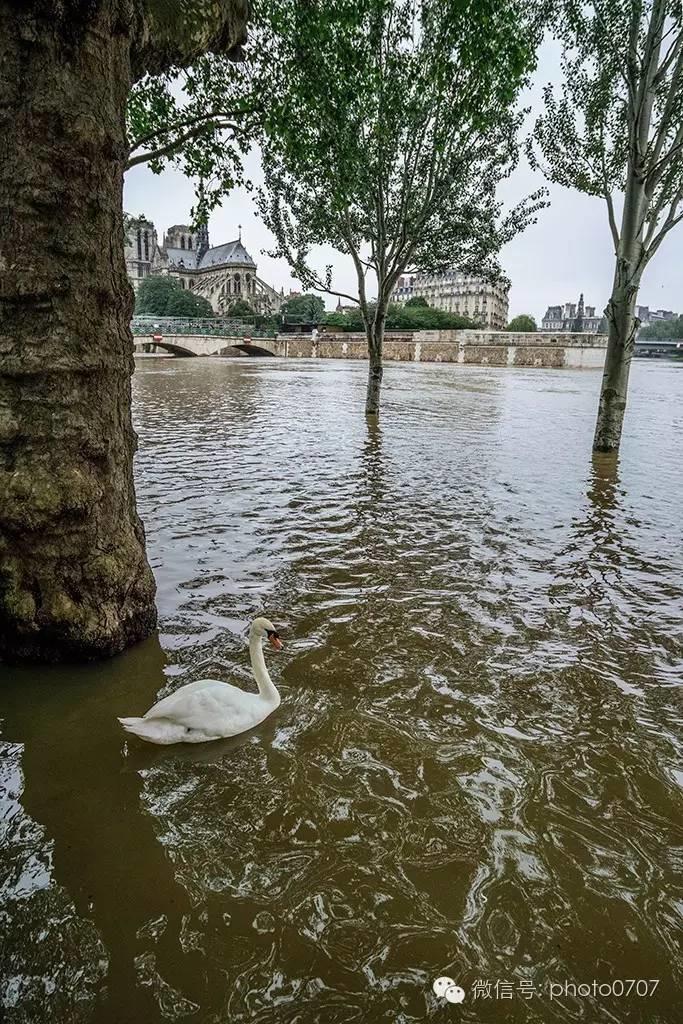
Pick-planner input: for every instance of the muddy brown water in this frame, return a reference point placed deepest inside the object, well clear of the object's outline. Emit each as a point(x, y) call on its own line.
point(476, 767)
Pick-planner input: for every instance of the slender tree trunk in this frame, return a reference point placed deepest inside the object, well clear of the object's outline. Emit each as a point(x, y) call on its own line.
point(375, 335)
point(621, 318)
point(620, 345)
point(74, 578)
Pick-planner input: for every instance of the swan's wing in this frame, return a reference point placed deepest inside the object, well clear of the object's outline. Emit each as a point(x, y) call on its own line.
point(160, 709)
point(201, 707)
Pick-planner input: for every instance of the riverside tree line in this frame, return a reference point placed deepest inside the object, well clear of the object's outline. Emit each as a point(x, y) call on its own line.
point(164, 297)
point(385, 127)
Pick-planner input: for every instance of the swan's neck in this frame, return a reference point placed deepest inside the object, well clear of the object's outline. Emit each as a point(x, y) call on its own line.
point(266, 686)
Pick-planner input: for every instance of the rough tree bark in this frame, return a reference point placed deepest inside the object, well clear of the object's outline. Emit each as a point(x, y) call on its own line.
point(620, 347)
point(375, 337)
point(374, 329)
point(74, 578)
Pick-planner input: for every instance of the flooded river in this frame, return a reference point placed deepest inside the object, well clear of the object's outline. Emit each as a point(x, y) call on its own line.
point(476, 768)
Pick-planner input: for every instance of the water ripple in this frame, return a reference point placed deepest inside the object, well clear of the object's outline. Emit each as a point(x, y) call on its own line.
point(476, 766)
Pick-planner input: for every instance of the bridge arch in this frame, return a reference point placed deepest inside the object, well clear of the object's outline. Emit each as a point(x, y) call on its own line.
point(245, 349)
point(174, 348)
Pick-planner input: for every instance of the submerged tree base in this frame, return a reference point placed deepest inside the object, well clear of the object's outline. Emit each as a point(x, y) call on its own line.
point(91, 640)
point(375, 374)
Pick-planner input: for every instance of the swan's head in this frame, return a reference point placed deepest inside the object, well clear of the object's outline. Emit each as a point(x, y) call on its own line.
point(264, 628)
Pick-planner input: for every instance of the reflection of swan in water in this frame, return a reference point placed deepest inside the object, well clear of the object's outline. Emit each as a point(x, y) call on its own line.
point(209, 709)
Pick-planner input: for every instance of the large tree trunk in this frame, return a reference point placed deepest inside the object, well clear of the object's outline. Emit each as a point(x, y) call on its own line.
point(375, 335)
point(74, 578)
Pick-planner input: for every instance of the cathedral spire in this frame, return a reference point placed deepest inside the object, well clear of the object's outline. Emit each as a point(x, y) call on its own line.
point(202, 241)
point(577, 326)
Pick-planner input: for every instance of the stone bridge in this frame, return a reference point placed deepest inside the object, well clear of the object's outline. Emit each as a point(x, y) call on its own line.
point(482, 348)
point(206, 345)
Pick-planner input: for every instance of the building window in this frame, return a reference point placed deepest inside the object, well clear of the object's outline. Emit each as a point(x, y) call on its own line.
point(182, 241)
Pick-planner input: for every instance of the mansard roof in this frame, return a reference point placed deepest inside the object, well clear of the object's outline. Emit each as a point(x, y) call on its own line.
point(229, 252)
point(187, 256)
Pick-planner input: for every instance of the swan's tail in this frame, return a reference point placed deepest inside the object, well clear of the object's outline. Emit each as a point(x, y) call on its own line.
point(156, 730)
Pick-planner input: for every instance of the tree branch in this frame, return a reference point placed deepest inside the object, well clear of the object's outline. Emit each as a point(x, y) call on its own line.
point(189, 122)
point(672, 218)
point(665, 118)
point(607, 192)
point(175, 145)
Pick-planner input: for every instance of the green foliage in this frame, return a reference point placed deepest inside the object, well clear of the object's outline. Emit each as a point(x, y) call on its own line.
point(409, 129)
point(309, 308)
point(663, 329)
point(403, 318)
point(522, 323)
point(425, 318)
point(240, 308)
point(616, 125)
point(163, 296)
point(200, 119)
point(417, 300)
point(351, 320)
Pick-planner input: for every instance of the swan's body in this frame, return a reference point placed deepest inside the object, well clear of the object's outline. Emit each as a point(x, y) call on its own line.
point(210, 709)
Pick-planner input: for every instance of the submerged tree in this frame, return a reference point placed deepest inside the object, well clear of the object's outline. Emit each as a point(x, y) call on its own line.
point(617, 131)
point(389, 128)
point(74, 577)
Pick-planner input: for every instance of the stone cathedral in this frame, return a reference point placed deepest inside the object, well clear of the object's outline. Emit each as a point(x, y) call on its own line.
point(219, 273)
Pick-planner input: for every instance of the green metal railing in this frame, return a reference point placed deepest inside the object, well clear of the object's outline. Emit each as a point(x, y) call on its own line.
point(216, 327)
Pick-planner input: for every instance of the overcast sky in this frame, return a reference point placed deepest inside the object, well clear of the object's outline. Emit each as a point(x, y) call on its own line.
point(567, 252)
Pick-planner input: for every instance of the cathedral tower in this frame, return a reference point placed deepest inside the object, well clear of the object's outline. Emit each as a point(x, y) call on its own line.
point(202, 241)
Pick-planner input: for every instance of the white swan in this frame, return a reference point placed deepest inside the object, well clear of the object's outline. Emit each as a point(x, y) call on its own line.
point(209, 709)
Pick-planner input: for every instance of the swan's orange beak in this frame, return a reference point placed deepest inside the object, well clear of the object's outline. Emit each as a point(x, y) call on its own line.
point(275, 641)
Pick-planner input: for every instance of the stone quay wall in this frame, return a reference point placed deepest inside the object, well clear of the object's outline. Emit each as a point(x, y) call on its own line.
point(478, 348)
